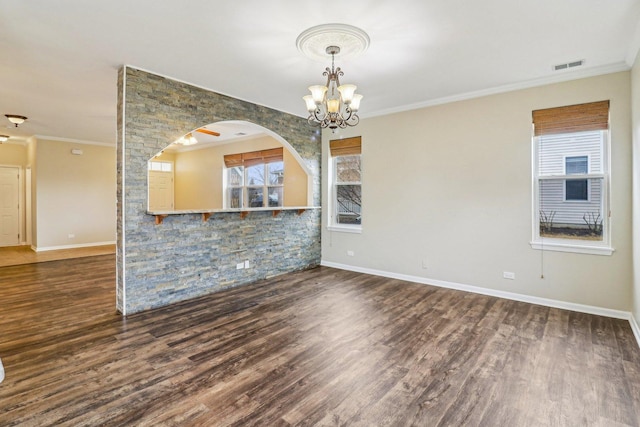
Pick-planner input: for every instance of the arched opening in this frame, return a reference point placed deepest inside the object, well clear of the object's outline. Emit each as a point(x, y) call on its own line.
point(196, 171)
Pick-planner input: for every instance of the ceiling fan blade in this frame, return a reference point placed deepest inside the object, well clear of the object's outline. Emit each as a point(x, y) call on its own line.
point(208, 132)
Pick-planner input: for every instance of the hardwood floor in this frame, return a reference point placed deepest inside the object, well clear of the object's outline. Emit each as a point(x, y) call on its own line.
point(319, 347)
point(17, 255)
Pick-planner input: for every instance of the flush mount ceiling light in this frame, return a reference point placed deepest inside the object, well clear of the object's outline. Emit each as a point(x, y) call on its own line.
point(188, 139)
point(15, 119)
point(333, 105)
point(3, 138)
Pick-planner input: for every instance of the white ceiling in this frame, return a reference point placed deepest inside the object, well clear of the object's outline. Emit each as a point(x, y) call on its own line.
point(59, 58)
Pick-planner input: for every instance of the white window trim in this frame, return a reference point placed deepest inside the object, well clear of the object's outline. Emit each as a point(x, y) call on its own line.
point(570, 245)
point(331, 220)
point(245, 187)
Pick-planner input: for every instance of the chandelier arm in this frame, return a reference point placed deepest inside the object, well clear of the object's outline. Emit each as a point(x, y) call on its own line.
point(354, 120)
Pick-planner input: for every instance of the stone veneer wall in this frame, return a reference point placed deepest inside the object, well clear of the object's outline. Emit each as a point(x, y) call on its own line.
point(185, 257)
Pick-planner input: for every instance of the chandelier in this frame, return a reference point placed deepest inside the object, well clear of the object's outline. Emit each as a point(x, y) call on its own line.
point(333, 105)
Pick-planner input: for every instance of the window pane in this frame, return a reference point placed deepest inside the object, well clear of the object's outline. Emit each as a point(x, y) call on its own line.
point(576, 189)
point(166, 167)
point(577, 165)
point(275, 196)
point(255, 174)
point(348, 169)
point(276, 173)
point(552, 150)
point(235, 176)
point(256, 195)
point(235, 198)
point(348, 204)
point(578, 219)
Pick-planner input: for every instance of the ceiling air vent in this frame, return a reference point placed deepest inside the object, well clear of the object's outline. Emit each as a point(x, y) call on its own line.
point(568, 65)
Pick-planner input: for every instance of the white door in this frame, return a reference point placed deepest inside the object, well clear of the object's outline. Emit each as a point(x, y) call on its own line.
point(160, 191)
point(9, 206)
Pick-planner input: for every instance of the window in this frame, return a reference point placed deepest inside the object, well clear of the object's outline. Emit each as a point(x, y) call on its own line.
point(158, 166)
point(576, 189)
point(254, 179)
point(345, 212)
point(571, 178)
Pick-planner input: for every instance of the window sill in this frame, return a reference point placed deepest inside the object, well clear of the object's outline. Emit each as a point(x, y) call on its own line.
point(572, 247)
point(345, 229)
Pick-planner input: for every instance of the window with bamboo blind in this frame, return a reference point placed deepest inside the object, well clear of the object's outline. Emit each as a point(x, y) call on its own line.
point(571, 178)
point(255, 179)
point(345, 184)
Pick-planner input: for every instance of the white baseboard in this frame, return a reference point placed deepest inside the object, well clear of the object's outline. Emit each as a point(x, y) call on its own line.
point(635, 328)
point(81, 245)
point(581, 308)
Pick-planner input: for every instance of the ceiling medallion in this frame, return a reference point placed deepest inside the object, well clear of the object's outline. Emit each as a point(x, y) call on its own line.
point(314, 42)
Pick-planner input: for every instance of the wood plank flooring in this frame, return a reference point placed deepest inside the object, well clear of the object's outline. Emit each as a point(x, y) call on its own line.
point(320, 347)
point(17, 255)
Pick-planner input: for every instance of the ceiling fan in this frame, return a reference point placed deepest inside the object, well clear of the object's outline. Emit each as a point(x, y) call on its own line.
point(207, 131)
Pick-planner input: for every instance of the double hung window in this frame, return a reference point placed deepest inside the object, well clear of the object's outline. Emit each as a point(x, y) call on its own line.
point(571, 178)
point(254, 179)
point(345, 212)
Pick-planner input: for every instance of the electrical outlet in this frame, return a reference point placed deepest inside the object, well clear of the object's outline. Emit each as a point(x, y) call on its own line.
point(72, 236)
point(350, 253)
point(246, 264)
point(240, 266)
point(425, 265)
point(509, 275)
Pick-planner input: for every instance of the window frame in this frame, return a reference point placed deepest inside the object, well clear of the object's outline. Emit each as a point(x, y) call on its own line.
point(602, 247)
point(246, 160)
point(338, 148)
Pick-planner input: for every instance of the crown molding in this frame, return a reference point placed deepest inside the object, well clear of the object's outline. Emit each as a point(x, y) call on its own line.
point(74, 141)
point(559, 78)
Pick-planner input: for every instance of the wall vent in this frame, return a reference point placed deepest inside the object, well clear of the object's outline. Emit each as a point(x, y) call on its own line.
point(568, 65)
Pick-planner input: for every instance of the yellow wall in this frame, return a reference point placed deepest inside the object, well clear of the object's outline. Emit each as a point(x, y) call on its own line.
point(447, 197)
point(199, 174)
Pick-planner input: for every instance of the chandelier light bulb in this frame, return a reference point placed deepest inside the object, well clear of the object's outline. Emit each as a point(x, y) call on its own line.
point(311, 104)
point(317, 92)
point(355, 102)
point(347, 92)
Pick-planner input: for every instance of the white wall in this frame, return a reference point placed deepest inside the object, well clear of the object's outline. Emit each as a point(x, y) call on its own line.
point(635, 105)
point(447, 196)
point(76, 194)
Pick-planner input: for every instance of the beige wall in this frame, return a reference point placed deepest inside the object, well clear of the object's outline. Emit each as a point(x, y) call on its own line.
point(199, 173)
point(75, 194)
point(635, 105)
point(447, 196)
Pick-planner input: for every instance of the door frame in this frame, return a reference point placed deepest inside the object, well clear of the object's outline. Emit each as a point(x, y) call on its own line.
point(21, 200)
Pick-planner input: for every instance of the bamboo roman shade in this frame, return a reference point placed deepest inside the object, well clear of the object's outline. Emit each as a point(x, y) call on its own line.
point(345, 147)
point(253, 158)
point(572, 118)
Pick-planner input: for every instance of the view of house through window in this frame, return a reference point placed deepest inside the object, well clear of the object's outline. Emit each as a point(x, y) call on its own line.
point(571, 174)
point(255, 179)
point(346, 183)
